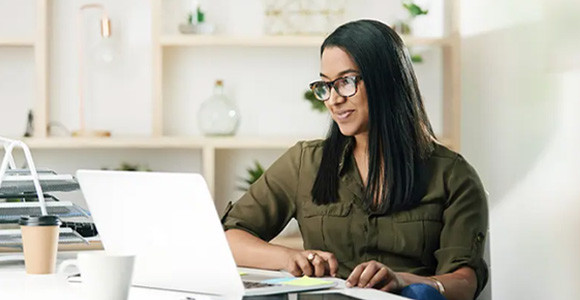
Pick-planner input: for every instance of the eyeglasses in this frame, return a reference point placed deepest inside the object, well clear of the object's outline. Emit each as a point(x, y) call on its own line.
point(344, 86)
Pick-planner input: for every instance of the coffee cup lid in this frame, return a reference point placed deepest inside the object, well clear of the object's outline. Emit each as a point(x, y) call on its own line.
point(48, 220)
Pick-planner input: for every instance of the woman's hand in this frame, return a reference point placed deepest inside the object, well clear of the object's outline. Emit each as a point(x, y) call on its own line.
point(311, 263)
point(373, 274)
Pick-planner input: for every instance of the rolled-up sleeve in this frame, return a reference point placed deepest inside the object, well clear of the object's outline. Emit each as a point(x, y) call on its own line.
point(465, 223)
point(269, 204)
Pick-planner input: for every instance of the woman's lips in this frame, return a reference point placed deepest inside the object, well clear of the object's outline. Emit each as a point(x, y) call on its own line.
point(344, 114)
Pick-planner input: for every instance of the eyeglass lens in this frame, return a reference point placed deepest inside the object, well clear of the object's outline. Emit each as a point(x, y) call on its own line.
point(345, 87)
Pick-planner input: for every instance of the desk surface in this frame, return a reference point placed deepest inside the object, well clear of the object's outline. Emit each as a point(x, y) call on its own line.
point(92, 245)
point(16, 284)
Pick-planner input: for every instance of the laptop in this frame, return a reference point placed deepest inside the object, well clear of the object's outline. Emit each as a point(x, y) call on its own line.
point(169, 221)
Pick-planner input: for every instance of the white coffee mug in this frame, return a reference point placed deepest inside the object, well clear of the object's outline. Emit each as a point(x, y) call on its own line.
point(104, 276)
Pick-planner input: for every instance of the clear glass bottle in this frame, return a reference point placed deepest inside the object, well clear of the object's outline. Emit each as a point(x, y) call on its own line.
point(218, 116)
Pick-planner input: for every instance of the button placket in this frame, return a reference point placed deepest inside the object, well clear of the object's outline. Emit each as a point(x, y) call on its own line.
point(368, 230)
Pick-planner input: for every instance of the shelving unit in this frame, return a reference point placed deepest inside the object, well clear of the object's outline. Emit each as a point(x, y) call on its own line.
point(449, 44)
point(161, 42)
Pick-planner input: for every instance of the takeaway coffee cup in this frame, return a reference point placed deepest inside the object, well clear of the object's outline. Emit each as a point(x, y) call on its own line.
point(40, 243)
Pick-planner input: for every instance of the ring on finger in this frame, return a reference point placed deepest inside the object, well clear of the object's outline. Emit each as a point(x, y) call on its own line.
point(310, 256)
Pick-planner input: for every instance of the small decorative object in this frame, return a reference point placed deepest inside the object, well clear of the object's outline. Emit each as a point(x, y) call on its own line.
point(218, 116)
point(105, 54)
point(196, 23)
point(253, 173)
point(29, 125)
point(302, 17)
point(125, 166)
point(57, 129)
point(404, 26)
point(316, 104)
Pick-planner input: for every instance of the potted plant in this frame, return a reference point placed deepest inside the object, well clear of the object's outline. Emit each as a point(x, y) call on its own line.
point(253, 173)
point(316, 104)
point(405, 26)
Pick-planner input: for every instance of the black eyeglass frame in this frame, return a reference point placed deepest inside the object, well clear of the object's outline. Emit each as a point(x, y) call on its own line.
point(331, 85)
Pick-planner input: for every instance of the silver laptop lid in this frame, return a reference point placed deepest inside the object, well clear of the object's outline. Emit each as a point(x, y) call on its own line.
point(170, 222)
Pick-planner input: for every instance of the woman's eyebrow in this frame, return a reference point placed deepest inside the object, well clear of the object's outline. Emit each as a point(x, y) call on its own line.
point(341, 73)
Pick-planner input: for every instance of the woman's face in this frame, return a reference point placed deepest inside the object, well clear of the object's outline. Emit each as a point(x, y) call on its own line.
point(352, 113)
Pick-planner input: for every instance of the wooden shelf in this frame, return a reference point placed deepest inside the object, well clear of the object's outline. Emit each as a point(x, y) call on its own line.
point(164, 143)
point(259, 41)
point(274, 41)
point(196, 143)
point(17, 42)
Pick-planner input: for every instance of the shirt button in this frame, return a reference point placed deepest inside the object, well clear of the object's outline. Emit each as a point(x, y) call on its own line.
point(480, 236)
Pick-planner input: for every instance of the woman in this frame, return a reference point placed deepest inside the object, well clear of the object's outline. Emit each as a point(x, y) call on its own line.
point(379, 202)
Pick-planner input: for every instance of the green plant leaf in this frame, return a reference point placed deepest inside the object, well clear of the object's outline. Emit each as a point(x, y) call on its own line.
point(416, 58)
point(414, 9)
point(200, 15)
point(316, 104)
point(253, 174)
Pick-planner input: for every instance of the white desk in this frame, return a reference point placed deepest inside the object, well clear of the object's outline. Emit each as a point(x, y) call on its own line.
point(16, 284)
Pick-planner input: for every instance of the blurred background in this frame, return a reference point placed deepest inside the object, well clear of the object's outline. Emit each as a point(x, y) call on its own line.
point(500, 79)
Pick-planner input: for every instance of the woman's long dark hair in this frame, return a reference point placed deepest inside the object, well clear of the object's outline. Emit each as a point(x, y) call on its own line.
point(400, 135)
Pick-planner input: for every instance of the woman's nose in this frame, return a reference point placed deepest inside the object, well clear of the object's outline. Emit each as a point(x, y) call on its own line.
point(335, 98)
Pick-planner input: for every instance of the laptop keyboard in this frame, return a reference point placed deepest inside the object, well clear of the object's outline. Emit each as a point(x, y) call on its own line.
point(253, 285)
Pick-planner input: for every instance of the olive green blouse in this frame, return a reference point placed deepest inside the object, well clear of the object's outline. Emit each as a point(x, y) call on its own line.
point(444, 232)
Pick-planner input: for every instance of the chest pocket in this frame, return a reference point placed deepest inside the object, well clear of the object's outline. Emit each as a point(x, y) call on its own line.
point(328, 228)
point(414, 233)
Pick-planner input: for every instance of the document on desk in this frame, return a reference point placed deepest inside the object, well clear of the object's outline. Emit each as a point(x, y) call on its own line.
point(301, 281)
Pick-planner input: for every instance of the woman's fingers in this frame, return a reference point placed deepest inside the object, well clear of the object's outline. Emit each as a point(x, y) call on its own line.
point(304, 265)
point(379, 277)
point(372, 274)
point(330, 261)
point(312, 263)
point(391, 286)
point(319, 265)
point(354, 276)
point(369, 271)
point(294, 269)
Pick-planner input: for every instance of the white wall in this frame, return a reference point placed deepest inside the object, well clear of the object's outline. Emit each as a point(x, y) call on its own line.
point(520, 130)
point(17, 85)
